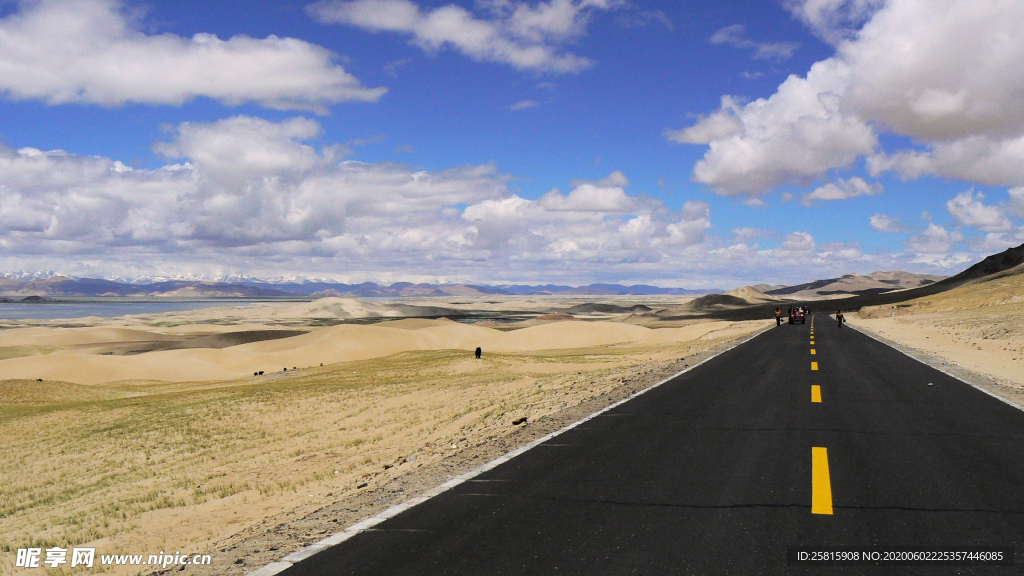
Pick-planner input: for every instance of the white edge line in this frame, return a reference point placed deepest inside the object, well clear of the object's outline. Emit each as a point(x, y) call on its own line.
point(288, 561)
point(869, 334)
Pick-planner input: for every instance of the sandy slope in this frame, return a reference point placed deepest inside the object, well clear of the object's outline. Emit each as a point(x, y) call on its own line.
point(342, 343)
point(979, 326)
point(752, 295)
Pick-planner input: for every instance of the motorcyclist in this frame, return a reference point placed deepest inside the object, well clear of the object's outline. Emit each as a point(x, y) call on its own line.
point(839, 318)
point(778, 317)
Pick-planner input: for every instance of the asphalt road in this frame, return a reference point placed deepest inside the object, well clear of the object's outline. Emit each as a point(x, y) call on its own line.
point(713, 473)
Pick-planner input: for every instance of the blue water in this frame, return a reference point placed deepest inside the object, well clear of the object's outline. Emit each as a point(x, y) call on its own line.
point(53, 310)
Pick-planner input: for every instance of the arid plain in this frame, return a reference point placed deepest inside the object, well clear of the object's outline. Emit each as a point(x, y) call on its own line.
point(151, 433)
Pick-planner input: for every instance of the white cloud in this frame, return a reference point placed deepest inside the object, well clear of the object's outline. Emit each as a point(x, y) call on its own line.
point(841, 190)
point(935, 243)
point(840, 251)
point(1016, 205)
point(528, 37)
point(940, 70)
point(735, 36)
point(798, 242)
point(947, 73)
point(589, 198)
point(690, 229)
point(978, 159)
point(794, 136)
point(833, 20)
point(91, 52)
point(524, 104)
point(888, 224)
point(968, 210)
point(238, 149)
point(745, 235)
point(999, 241)
point(722, 124)
point(253, 194)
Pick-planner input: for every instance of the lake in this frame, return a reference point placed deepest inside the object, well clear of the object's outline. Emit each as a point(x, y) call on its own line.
point(106, 308)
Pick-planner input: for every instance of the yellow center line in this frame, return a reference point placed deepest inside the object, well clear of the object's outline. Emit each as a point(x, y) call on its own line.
point(816, 394)
point(813, 352)
point(814, 365)
point(821, 484)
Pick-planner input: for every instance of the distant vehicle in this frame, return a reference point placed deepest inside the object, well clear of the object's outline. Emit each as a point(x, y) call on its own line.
point(797, 316)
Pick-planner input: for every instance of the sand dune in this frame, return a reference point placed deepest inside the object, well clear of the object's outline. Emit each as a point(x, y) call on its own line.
point(329, 345)
point(752, 295)
point(78, 336)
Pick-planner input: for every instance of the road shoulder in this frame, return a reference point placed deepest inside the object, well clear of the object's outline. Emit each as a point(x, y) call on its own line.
point(1006, 390)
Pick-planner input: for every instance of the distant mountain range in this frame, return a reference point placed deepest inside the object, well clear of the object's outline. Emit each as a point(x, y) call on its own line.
point(45, 284)
point(853, 285)
point(52, 285)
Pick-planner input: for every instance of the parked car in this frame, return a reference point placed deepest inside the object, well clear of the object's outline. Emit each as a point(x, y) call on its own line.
point(797, 316)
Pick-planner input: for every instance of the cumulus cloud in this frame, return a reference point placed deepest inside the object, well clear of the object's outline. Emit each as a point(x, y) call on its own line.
point(91, 52)
point(888, 224)
point(254, 193)
point(736, 36)
point(595, 222)
point(968, 210)
point(719, 125)
point(526, 36)
point(978, 159)
point(936, 242)
point(948, 74)
point(841, 190)
point(798, 242)
point(940, 70)
point(796, 135)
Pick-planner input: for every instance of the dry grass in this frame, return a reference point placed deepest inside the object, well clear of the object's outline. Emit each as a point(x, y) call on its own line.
point(144, 468)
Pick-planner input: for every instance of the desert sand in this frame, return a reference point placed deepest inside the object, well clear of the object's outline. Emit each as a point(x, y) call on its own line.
point(752, 295)
point(81, 355)
point(184, 449)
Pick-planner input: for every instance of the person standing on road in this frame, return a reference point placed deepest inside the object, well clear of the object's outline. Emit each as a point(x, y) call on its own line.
point(778, 317)
point(839, 318)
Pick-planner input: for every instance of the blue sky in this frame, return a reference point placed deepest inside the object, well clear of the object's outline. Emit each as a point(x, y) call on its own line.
point(399, 140)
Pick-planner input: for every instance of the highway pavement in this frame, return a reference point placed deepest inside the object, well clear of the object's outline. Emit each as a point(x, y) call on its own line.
point(800, 437)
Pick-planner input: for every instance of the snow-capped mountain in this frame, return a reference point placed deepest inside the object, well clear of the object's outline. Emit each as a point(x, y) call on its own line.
point(30, 276)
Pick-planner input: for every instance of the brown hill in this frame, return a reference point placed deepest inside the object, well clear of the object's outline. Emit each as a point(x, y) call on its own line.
point(1007, 263)
point(752, 295)
point(855, 285)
